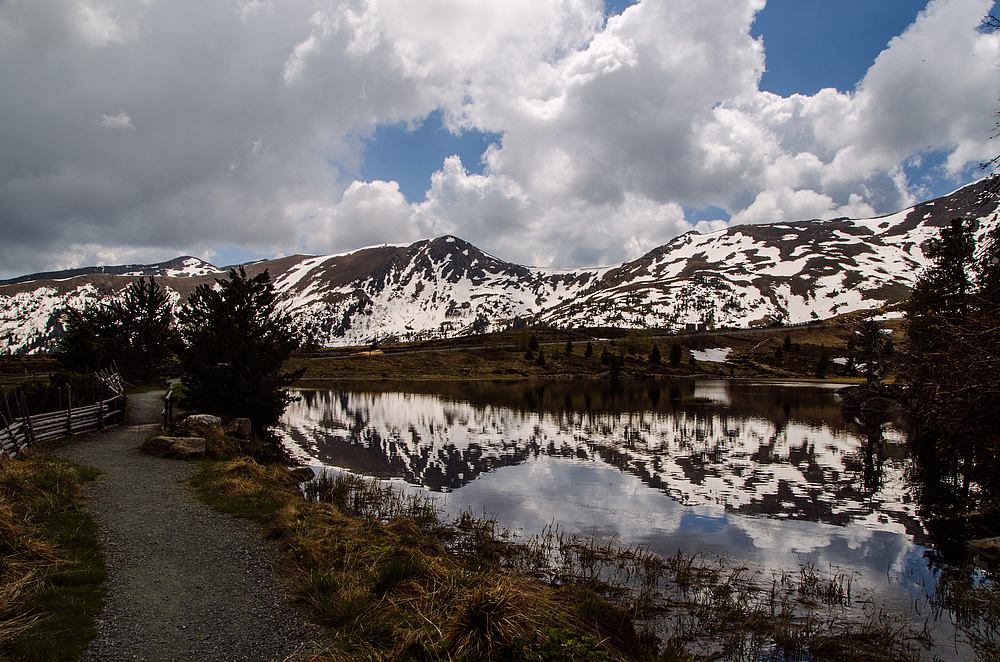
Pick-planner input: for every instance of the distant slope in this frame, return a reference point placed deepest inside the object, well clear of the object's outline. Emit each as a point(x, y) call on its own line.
point(177, 267)
point(740, 276)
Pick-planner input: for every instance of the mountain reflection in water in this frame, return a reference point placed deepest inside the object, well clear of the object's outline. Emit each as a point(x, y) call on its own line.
point(768, 450)
point(765, 472)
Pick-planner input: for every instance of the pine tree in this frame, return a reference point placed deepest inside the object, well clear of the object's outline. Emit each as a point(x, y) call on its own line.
point(675, 354)
point(149, 335)
point(951, 362)
point(134, 332)
point(822, 364)
point(939, 299)
point(237, 342)
point(654, 356)
point(589, 351)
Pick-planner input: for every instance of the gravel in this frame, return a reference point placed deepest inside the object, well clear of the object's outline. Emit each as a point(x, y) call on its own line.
point(184, 582)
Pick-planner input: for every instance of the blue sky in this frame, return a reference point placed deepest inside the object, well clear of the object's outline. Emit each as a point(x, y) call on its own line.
point(549, 132)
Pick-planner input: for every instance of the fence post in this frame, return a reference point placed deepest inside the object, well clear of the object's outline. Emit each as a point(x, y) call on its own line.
point(168, 410)
point(23, 406)
point(7, 402)
point(69, 408)
point(100, 409)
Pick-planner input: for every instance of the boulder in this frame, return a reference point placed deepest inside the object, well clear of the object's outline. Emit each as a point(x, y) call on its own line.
point(181, 448)
point(988, 547)
point(300, 474)
point(238, 428)
point(200, 422)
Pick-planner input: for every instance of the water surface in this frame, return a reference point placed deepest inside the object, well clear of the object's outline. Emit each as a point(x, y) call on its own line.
point(761, 473)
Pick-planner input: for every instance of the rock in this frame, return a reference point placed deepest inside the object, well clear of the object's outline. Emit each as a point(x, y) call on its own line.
point(181, 448)
point(200, 422)
point(301, 474)
point(988, 547)
point(238, 428)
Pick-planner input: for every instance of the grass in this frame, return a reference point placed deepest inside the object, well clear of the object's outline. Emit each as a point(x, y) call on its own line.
point(51, 570)
point(506, 356)
point(971, 596)
point(390, 578)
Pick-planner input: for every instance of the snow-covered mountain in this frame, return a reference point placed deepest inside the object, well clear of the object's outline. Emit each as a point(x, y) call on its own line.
point(740, 276)
point(177, 267)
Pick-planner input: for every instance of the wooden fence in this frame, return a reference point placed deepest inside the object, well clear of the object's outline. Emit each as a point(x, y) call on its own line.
point(25, 429)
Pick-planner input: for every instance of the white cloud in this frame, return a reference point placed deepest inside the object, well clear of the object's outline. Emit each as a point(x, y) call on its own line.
point(368, 213)
point(119, 121)
point(252, 118)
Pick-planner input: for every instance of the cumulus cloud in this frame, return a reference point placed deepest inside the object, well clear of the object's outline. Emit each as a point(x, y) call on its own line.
point(163, 128)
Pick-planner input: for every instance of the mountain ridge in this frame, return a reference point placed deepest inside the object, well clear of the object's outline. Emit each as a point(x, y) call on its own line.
point(739, 276)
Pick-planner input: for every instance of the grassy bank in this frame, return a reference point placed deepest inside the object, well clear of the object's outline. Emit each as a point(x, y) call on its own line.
point(51, 569)
point(391, 579)
point(776, 352)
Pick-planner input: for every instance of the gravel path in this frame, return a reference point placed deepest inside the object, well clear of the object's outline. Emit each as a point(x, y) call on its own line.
point(184, 582)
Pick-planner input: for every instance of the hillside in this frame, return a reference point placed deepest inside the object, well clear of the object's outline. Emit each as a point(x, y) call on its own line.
point(737, 277)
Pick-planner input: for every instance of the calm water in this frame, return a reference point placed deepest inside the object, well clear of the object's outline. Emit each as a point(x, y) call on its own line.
point(764, 473)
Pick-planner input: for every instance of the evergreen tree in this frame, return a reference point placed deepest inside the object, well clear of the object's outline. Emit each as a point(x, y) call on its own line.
point(654, 356)
point(541, 358)
point(589, 351)
point(134, 332)
point(616, 362)
point(89, 343)
point(533, 343)
point(605, 356)
point(873, 354)
point(569, 347)
point(822, 364)
point(675, 354)
point(237, 341)
point(149, 337)
point(939, 299)
point(951, 363)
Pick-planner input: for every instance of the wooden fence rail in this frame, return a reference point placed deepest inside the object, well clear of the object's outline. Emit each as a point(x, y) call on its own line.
point(28, 429)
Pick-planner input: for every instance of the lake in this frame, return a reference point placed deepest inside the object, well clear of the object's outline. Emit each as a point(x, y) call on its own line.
point(761, 473)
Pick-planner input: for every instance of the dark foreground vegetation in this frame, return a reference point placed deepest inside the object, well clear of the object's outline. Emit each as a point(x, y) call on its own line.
point(51, 568)
point(389, 578)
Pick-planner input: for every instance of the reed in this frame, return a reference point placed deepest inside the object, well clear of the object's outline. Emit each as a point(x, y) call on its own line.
point(391, 577)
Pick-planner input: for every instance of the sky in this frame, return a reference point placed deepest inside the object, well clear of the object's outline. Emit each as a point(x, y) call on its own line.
point(561, 133)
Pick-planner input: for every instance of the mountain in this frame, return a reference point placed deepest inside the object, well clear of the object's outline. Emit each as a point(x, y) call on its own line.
point(740, 276)
point(178, 267)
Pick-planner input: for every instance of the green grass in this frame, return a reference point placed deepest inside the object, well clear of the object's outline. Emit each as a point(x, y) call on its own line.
point(244, 488)
point(49, 547)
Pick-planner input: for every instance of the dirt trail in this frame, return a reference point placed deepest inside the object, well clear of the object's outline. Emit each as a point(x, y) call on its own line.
point(184, 582)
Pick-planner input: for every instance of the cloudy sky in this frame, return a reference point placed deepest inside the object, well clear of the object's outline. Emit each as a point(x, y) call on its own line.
point(547, 132)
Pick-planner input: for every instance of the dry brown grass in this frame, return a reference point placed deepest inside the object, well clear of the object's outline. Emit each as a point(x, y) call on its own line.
point(50, 571)
point(390, 580)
